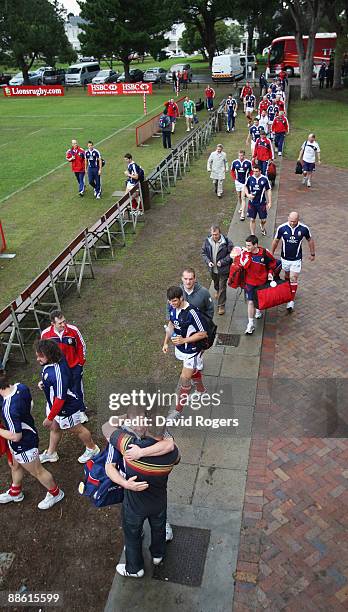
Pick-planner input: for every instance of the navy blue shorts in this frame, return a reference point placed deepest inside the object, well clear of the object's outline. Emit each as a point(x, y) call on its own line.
point(257, 209)
point(249, 291)
point(308, 167)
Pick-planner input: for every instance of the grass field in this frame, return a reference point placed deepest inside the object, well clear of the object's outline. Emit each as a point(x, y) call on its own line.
point(39, 206)
point(327, 117)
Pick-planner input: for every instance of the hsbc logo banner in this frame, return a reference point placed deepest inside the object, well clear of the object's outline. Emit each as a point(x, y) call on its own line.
point(33, 91)
point(118, 89)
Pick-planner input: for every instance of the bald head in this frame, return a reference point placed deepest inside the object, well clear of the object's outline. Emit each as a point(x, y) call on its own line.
point(293, 218)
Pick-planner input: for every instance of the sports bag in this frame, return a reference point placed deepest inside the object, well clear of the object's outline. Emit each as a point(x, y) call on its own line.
point(209, 327)
point(268, 297)
point(298, 169)
point(96, 485)
point(271, 171)
point(236, 277)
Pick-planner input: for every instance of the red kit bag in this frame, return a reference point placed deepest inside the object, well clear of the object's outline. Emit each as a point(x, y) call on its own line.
point(268, 297)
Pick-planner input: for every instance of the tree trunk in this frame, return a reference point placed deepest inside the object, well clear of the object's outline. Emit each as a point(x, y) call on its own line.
point(210, 39)
point(307, 69)
point(204, 54)
point(341, 48)
point(126, 64)
point(249, 42)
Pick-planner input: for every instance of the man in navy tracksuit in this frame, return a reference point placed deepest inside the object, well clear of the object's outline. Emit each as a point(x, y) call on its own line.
point(94, 168)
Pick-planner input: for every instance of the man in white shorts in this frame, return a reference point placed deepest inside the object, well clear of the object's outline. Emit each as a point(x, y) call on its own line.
point(309, 154)
point(63, 409)
point(23, 442)
point(240, 170)
point(185, 329)
point(291, 234)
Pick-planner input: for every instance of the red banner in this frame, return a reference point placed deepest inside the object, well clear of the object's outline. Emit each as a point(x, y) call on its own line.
point(118, 89)
point(33, 91)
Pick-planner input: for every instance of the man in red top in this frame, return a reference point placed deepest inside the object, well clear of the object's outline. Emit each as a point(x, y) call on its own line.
point(246, 91)
point(280, 127)
point(279, 103)
point(173, 112)
point(76, 156)
point(73, 347)
point(185, 79)
point(263, 152)
point(209, 96)
point(259, 265)
point(264, 104)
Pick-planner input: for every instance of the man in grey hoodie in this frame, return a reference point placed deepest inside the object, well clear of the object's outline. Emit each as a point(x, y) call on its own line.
point(216, 251)
point(195, 294)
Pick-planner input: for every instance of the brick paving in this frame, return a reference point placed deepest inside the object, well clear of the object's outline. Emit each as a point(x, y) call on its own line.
point(293, 549)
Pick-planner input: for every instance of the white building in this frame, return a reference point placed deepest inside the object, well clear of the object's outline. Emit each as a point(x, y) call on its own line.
point(72, 30)
point(174, 36)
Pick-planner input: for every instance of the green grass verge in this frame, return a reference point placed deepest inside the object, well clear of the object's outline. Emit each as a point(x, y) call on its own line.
point(326, 115)
point(40, 220)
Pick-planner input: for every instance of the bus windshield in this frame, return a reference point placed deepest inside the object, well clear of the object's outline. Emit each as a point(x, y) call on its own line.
point(276, 54)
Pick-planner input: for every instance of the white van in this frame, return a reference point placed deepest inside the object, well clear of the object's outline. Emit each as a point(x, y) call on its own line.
point(81, 74)
point(226, 68)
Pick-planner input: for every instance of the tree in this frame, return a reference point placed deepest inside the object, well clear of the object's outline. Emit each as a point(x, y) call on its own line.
point(115, 28)
point(227, 35)
point(307, 15)
point(191, 41)
point(337, 15)
point(256, 15)
point(30, 29)
point(204, 15)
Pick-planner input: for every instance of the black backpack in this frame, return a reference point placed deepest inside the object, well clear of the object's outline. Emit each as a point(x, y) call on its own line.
point(209, 327)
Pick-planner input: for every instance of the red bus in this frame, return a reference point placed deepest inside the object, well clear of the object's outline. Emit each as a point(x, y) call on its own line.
point(283, 53)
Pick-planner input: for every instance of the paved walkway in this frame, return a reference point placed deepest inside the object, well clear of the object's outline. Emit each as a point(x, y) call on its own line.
point(293, 549)
point(273, 492)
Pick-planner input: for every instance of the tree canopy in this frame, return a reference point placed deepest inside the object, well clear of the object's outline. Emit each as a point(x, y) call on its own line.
point(116, 28)
point(32, 29)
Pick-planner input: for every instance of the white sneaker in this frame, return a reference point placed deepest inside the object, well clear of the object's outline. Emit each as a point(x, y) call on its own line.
point(304, 180)
point(250, 329)
point(169, 532)
point(121, 569)
point(84, 417)
point(258, 314)
point(309, 184)
point(188, 129)
point(50, 500)
point(279, 153)
point(290, 306)
point(89, 454)
point(157, 560)
point(98, 196)
point(6, 498)
point(46, 457)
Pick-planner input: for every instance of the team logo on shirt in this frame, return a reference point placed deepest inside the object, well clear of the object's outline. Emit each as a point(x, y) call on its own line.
point(70, 341)
point(299, 233)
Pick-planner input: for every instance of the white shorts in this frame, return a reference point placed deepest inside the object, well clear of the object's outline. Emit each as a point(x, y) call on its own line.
point(239, 186)
point(249, 109)
point(26, 456)
point(66, 422)
point(291, 266)
point(192, 362)
point(253, 143)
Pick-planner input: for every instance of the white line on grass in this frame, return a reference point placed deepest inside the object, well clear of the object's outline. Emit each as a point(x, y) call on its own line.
point(39, 178)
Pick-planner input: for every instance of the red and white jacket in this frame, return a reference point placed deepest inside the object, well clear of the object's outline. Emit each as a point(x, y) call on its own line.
point(280, 124)
point(173, 109)
point(70, 342)
point(246, 91)
point(257, 265)
point(263, 149)
point(264, 104)
point(209, 92)
point(77, 159)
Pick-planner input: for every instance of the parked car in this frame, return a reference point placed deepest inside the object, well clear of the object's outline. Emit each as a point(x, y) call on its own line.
point(155, 75)
point(56, 76)
point(35, 77)
point(179, 67)
point(5, 78)
point(252, 61)
point(106, 76)
point(135, 76)
point(81, 74)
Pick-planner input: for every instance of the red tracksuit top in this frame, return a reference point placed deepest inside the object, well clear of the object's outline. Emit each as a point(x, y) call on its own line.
point(263, 149)
point(77, 164)
point(71, 343)
point(280, 124)
point(255, 266)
